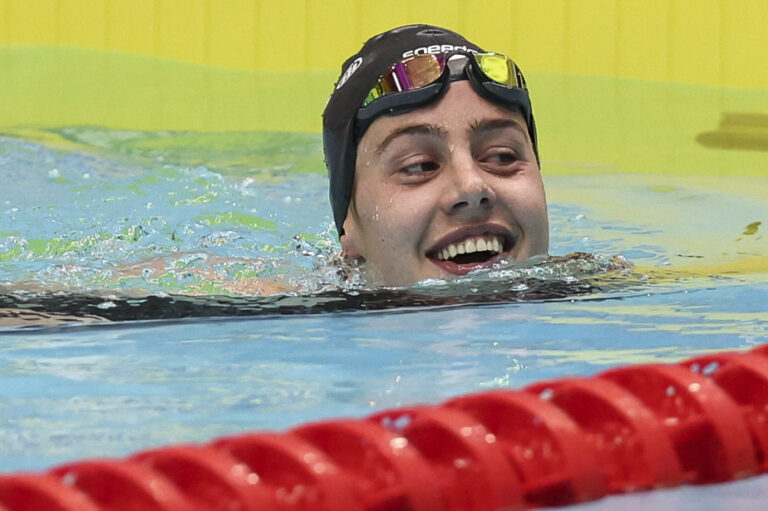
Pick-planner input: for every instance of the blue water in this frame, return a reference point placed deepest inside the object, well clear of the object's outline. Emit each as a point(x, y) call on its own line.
point(75, 214)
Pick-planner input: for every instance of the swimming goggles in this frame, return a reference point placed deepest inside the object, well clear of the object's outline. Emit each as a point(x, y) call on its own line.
point(415, 81)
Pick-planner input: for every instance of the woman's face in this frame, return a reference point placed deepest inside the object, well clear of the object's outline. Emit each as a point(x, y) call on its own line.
point(444, 190)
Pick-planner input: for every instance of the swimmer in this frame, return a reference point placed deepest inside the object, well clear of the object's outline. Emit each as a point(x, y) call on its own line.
point(430, 145)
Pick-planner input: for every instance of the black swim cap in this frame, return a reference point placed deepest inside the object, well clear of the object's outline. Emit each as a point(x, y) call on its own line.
point(359, 74)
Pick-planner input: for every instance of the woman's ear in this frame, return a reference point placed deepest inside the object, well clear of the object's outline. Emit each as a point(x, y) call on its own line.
point(350, 243)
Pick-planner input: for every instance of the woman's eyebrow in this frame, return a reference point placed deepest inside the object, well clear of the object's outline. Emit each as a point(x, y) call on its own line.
point(414, 129)
point(481, 128)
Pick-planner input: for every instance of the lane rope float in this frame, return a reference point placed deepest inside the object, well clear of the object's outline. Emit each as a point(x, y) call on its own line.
point(563, 441)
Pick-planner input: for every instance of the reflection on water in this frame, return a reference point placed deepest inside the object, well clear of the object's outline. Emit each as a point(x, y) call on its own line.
point(108, 218)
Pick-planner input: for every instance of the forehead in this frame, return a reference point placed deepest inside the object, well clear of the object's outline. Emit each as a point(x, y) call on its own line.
point(455, 113)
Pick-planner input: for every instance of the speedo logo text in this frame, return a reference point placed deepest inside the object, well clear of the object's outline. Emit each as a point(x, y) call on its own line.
point(435, 49)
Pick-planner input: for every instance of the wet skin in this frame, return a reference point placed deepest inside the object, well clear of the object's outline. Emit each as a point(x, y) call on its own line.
point(432, 183)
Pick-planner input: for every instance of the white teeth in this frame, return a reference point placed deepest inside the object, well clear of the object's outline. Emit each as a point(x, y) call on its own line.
point(478, 244)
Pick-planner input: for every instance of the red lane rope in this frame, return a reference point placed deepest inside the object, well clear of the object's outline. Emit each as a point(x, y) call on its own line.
point(557, 442)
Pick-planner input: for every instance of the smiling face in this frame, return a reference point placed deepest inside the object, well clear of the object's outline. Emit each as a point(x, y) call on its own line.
point(445, 190)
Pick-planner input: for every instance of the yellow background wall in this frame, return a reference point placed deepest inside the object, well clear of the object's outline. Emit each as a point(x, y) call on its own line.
point(617, 85)
point(716, 42)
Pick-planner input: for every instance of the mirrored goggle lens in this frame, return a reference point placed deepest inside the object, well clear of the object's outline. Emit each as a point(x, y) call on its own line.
point(500, 69)
point(408, 74)
point(422, 70)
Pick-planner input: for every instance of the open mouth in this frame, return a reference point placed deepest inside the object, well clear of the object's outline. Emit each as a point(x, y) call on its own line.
point(471, 253)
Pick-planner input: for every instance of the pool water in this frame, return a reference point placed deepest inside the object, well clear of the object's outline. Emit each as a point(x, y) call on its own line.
point(105, 202)
point(93, 220)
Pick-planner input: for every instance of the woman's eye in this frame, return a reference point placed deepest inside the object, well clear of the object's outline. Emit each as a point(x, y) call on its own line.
point(501, 157)
point(420, 168)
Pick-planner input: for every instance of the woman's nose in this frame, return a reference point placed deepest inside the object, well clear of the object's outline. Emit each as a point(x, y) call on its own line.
point(469, 193)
